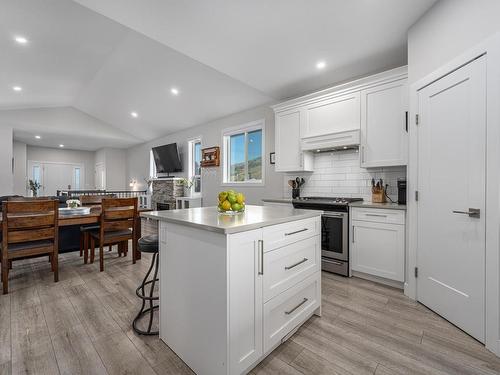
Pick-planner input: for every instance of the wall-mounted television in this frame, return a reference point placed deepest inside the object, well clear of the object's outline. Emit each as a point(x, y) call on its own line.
point(167, 159)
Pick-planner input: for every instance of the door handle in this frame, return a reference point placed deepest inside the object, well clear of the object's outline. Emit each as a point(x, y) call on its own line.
point(473, 212)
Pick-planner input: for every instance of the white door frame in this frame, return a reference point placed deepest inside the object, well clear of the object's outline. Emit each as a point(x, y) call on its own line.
point(491, 48)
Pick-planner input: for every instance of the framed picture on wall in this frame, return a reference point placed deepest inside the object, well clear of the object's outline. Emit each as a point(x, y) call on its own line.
point(272, 158)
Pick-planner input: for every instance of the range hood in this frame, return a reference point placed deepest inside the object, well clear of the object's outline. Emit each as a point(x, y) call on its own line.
point(348, 139)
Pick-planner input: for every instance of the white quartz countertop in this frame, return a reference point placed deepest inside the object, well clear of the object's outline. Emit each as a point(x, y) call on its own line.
point(254, 217)
point(388, 205)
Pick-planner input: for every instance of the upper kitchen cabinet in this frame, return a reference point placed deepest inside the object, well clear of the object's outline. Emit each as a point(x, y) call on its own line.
point(289, 155)
point(384, 111)
point(332, 115)
point(370, 112)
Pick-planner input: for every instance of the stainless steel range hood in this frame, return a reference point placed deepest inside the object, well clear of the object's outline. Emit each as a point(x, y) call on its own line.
point(348, 139)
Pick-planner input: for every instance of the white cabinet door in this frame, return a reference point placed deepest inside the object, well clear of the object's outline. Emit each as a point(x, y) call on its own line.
point(245, 300)
point(378, 249)
point(332, 115)
point(383, 125)
point(289, 156)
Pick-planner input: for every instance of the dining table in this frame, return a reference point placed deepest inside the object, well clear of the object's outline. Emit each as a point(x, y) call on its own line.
point(93, 217)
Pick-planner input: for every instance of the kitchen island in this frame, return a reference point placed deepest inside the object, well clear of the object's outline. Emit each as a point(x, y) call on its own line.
point(233, 288)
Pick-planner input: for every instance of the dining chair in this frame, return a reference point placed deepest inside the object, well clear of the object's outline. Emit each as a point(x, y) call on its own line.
point(85, 230)
point(117, 227)
point(29, 228)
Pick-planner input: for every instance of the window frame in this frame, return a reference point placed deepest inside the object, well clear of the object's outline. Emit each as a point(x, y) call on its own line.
point(226, 151)
point(192, 142)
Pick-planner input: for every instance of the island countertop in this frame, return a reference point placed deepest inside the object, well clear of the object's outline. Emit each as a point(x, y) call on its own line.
point(254, 217)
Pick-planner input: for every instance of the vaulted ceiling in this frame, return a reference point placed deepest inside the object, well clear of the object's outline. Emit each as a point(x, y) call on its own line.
point(88, 64)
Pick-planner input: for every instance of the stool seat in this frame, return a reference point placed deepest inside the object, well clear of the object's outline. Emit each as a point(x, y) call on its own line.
point(148, 244)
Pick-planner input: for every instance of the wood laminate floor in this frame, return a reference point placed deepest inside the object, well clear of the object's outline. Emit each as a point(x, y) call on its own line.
point(82, 325)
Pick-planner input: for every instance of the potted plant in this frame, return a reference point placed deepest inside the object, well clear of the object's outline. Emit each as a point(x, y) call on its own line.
point(188, 185)
point(34, 187)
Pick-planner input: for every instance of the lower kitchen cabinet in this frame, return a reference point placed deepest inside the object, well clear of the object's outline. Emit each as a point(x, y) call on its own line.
point(378, 242)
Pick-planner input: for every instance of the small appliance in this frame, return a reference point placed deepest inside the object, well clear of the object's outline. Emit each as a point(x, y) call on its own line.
point(401, 190)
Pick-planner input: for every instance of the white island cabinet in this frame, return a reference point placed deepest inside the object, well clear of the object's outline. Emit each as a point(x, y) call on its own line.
point(233, 288)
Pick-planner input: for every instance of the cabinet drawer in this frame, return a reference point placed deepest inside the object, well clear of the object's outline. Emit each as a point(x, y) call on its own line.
point(283, 234)
point(290, 264)
point(289, 309)
point(379, 215)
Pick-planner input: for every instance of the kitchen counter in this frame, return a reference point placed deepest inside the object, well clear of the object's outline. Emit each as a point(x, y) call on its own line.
point(277, 200)
point(254, 217)
point(387, 206)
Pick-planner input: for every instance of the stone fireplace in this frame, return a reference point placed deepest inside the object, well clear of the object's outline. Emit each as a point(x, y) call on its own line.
point(165, 192)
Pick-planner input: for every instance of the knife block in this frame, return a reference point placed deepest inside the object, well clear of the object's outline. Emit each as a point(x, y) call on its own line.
point(378, 195)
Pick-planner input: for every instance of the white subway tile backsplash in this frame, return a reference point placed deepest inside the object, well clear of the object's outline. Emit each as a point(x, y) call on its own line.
point(339, 174)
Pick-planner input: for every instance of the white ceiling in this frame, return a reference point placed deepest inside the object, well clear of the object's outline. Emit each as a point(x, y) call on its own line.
point(274, 45)
point(89, 66)
point(55, 126)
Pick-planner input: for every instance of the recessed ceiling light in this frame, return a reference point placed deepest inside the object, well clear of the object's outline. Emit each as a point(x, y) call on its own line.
point(320, 64)
point(134, 114)
point(17, 88)
point(345, 147)
point(174, 91)
point(61, 146)
point(37, 137)
point(21, 39)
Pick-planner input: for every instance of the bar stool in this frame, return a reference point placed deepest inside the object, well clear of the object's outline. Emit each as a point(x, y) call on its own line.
point(148, 244)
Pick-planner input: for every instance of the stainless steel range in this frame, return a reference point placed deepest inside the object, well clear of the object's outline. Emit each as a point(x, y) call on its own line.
point(334, 230)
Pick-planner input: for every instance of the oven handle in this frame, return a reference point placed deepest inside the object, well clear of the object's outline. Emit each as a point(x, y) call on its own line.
point(334, 215)
point(332, 262)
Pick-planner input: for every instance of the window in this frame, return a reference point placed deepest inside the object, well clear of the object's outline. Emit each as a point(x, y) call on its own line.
point(36, 174)
point(243, 154)
point(195, 163)
point(76, 178)
point(152, 165)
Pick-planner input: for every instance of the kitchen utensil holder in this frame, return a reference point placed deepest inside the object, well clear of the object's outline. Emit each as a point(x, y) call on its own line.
point(378, 195)
point(295, 193)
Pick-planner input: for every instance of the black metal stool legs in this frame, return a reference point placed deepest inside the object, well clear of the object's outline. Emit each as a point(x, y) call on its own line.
point(141, 293)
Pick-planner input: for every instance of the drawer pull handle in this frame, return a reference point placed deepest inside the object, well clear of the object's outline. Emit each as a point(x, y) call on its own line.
point(377, 215)
point(261, 256)
point(297, 231)
point(296, 264)
point(296, 307)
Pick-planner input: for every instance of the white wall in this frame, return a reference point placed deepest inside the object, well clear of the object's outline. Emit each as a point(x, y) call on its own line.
point(20, 176)
point(211, 134)
point(447, 30)
point(65, 156)
point(6, 176)
point(338, 174)
point(116, 169)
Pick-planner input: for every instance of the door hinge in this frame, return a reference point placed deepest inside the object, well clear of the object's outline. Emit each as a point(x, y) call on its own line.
point(416, 272)
point(417, 119)
point(416, 195)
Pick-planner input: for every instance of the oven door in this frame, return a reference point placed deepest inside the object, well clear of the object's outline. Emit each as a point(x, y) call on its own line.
point(334, 235)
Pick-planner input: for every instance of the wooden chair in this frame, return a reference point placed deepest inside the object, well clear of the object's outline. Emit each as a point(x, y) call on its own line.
point(29, 228)
point(117, 227)
point(85, 230)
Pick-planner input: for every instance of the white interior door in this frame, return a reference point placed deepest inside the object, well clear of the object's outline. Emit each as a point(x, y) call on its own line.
point(100, 176)
point(452, 180)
